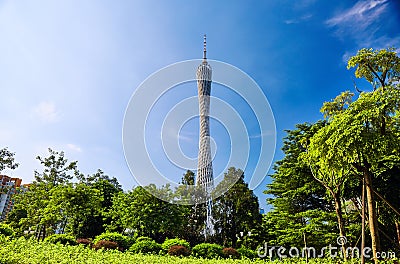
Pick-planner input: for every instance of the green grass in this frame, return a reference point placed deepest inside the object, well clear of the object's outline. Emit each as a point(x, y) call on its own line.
point(31, 252)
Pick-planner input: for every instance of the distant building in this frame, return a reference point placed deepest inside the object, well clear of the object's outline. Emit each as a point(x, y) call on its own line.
point(8, 187)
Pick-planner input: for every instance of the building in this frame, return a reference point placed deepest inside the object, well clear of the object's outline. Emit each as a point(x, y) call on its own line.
point(205, 177)
point(8, 187)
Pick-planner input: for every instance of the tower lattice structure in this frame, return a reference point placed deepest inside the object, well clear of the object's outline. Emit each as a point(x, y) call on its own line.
point(204, 168)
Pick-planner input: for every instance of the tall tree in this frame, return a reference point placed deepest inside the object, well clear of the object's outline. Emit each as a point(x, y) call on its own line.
point(300, 205)
point(107, 187)
point(332, 180)
point(7, 160)
point(194, 214)
point(379, 67)
point(75, 205)
point(141, 212)
point(41, 215)
point(365, 136)
point(57, 169)
point(236, 212)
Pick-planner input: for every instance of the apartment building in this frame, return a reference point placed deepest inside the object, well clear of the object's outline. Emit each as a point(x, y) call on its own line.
point(8, 187)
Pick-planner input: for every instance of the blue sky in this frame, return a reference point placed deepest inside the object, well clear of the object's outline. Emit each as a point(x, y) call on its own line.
point(68, 68)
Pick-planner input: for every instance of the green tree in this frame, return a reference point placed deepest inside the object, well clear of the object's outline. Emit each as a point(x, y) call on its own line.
point(194, 214)
point(332, 180)
point(379, 67)
point(236, 213)
point(107, 187)
point(42, 216)
point(57, 169)
point(75, 204)
point(301, 208)
point(366, 135)
point(146, 215)
point(7, 160)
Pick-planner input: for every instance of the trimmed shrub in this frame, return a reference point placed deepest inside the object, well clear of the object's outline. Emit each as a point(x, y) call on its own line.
point(168, 243)
point(63, 239)
point(207, 250)
point(145, 246)
point(230, 253)
point(178, 250)
point(6, 230)
point(123, 242)
point(105, 244)
point(144, 238)
point(247, 253)
point(84, 241)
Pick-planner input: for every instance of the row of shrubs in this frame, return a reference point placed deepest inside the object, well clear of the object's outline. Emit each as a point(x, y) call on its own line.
point(146, 245)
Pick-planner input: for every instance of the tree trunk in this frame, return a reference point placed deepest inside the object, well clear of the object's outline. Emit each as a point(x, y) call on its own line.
point(363, 222)
point(373, 221)
point(342, 232)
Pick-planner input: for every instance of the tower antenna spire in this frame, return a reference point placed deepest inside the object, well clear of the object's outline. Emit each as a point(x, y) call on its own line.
point(205, 47)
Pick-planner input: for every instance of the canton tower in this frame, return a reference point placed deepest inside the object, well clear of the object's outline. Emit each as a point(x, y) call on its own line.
point(204, 167)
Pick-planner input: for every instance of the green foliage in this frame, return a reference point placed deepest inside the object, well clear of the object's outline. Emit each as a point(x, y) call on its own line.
point(122, 241)
point(6, 230)
point(3, 239)
point(140, 210)
point(381, 65)
point(28, 251)
point(300, 202)
point(146, 246)
point(178, 250)
point(56, 170)
point(338, 105)
point(63, 239)
point(207, 250)
point(168, 243)
point(236, 211)
point(230, 253)
point(7, 159)
point(144, 238)
point(105, 244)
point(108, 187)
point(53, 201)
point(247, 253)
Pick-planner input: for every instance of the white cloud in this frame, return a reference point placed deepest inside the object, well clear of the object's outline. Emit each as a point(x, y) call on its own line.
point(263, 134)
point(74, 147)
point(298, 20)
point(362, 22)
point(46, 112)
point(361, 15)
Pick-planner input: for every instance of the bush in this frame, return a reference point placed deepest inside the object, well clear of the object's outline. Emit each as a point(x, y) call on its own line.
point(143, 238)
point(6, 230)
point(123, 242)
point(247, 253)
point(105, 244)
point(3, 239)
point(63, 239)
point(230, 253)
point(84, 241)
point(168, 243)
point(207, 250)
point(145, 246)
point(178, 250)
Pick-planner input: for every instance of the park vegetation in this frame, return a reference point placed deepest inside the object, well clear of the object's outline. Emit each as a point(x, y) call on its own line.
point(336, 173)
